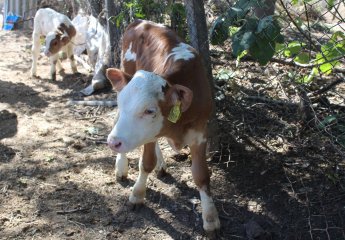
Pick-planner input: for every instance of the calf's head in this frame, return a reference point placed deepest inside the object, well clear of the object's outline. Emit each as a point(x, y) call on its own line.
point(143, 100)
point(55, 40)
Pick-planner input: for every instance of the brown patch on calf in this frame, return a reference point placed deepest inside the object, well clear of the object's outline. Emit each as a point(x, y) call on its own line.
point(64, 34)
point(117, 78)
point(149, 157)
point(70, 30)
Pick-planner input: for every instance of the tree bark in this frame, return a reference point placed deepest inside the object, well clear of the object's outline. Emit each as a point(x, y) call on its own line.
point(96, 7)
point(113, 9)
point(198, 35)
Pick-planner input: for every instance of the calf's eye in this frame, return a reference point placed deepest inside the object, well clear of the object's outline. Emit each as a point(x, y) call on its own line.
point(150, 111)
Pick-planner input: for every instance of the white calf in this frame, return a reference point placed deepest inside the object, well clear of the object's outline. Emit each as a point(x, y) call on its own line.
point(94, 38)
point(59, 32)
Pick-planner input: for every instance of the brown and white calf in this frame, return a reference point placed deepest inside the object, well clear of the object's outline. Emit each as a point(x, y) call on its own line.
point(59, 33)
point(163, 91)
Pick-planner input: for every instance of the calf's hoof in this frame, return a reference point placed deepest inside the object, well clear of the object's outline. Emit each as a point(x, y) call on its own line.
point(33, 74)
point(53, 77)
point(137, 197)
point(214, 234)
point(120, 177)
point(211, 220)
point(135, 207)
point(75, 70)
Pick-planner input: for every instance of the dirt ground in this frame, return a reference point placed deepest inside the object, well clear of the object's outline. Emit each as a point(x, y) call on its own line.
point(271, 179)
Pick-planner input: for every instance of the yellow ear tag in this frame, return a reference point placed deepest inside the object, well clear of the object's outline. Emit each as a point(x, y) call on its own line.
point(175, 112)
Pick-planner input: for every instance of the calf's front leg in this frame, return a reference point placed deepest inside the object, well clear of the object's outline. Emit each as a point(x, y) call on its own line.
point(53, 61)
point(202, 180)
point(146, 164)
point(121, 166)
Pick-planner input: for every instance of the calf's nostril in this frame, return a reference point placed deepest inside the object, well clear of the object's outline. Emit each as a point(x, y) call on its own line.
point(117, 145)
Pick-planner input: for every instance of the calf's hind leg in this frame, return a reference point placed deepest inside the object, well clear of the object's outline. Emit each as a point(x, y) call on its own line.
point(202, 180)
point(161, 165)
point(71, 58)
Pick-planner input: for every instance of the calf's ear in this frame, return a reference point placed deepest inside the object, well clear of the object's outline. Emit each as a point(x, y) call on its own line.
point(117, 78)
point(64, 39)
point(180, 94)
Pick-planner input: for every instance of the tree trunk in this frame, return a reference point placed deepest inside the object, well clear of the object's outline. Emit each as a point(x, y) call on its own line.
point(113, 9)
point(198, 35)
point(96, 7)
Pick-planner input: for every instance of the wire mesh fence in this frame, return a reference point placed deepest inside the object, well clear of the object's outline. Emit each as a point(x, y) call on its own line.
point(279, 91)
point(287, 112)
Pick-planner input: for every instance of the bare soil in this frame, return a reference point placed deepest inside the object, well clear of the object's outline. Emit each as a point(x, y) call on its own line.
point(272, 178)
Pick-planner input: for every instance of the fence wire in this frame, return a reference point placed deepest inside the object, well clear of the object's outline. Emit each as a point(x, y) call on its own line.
point(288, 114)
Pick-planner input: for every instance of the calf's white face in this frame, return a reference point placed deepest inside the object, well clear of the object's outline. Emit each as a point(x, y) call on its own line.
point(140, 118)
point(54, 42)
point(51, 39)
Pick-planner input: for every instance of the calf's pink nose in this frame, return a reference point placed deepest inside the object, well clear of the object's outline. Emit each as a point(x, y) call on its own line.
point(115, 144)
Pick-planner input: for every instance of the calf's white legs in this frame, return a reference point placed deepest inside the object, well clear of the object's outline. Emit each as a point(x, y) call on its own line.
point(71, 58)
point(121, 166)
point(202, 180)
point(54, 59)
point(209, 212)
point(146, 164)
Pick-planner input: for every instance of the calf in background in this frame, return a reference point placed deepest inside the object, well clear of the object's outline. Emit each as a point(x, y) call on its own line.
point(92, 37)
point(59, 33)
point(163, 91)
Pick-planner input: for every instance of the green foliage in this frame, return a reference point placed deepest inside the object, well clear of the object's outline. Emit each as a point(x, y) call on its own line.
point(293, 48)
point(302, 58)
point(335, 125)
point(328, 57)
point(154, 11)
point(178, 18)
point(323, 61)
point(295, 2)
point(136, 9)
point(258, 37)
point(330, 4)
point(219, 31)
point(225, 74)
point(308, 78)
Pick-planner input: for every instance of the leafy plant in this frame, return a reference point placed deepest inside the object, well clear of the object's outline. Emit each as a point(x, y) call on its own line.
point(256, 37)
point(328, 57)
point(225, 74)
point(154, 11)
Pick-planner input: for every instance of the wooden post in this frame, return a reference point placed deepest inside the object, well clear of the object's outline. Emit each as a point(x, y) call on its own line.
point(113, 9)
point(198, 35)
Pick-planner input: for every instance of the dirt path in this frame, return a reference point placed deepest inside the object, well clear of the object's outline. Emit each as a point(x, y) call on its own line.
point(57, 175)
